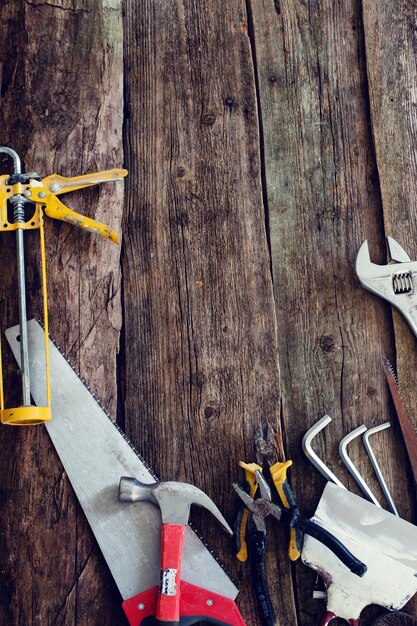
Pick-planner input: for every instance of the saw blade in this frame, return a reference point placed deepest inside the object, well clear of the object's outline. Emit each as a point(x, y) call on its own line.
point(406, 423)
point(95, 455)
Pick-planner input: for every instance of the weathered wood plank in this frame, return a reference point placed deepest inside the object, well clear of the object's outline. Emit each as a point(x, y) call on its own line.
point(61, 109)
point(392, 74)
point(323, 200)
point(201, 341)
point(200, 335)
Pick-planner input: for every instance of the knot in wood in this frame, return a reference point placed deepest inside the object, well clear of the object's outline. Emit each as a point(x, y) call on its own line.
point(327, 343)
point(208, 119)
point(211, 411)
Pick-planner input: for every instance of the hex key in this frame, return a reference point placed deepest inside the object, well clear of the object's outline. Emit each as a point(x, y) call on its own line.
point(312, 456)
point(375, 465)
point(351, 467)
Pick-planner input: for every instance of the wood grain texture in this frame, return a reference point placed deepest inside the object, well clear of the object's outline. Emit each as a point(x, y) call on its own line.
point(394, 125)
point(200, 333)
point(265, 139)
point(61, 108)
point(323, 201)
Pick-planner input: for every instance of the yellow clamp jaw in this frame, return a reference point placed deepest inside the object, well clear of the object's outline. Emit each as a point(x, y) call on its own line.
point(43, 194)
point(250, 478)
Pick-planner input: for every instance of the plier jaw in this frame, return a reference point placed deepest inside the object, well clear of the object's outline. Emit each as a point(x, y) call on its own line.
point(262, 506)
point(265, 445)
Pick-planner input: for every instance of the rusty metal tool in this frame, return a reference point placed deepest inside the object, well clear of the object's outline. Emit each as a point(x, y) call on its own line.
point(166, 603)
point(129, 536)
point(261, 508)
point(396, 281)
point(24, 198)
point(407, 426)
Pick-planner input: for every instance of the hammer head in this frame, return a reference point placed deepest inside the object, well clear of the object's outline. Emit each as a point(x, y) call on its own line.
point(173, 498)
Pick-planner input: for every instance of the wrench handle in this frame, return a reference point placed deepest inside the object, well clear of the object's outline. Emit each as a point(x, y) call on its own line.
point(168, 604)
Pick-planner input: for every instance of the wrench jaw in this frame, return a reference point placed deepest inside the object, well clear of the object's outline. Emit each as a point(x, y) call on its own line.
point(395, 282)
point(397, 252)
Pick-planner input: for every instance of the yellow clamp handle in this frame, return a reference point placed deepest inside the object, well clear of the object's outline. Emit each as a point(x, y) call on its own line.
point(250, 469)
point(55, 184)
point(62, 184)
point(279, 476)
point(55, 209)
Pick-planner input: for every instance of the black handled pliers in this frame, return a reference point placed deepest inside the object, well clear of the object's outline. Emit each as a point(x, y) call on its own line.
point(262, 507)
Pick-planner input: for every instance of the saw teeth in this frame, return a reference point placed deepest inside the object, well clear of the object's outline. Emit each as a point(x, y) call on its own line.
point(213, 554)
point(102, 407)
point(140, 457)
point(400, 393)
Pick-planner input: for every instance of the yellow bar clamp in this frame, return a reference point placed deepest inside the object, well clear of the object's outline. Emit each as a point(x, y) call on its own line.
point(43, 194)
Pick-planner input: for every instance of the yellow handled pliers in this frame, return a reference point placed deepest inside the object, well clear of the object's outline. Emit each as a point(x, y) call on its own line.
point(266, 455)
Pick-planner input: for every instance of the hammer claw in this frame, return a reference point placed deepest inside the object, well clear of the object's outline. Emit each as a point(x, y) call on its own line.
point(174, 499)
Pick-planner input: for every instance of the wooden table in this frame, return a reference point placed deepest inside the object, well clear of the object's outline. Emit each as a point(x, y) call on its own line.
point(265, 141)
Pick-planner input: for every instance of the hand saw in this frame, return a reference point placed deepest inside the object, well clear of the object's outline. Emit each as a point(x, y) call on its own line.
point(408, 428)
point(129, 536)
point(23, 200)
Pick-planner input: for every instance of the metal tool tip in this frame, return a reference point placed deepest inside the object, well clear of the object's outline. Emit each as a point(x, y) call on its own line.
point(127, 488)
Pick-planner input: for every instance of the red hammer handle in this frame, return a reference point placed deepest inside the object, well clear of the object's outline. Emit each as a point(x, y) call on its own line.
point(168, 604)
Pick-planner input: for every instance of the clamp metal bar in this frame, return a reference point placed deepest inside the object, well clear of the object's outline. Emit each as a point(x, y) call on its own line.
point(16, 159)
point(18, 202)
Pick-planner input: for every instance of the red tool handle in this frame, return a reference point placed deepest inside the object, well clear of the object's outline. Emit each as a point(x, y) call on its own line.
point(196, 605)
point(329, 616)
point(168, 605)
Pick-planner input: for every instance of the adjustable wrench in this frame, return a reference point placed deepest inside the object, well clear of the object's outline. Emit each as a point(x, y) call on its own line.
point(396, 281)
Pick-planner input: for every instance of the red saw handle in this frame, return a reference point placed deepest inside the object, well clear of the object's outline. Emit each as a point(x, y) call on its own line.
point(196, 605)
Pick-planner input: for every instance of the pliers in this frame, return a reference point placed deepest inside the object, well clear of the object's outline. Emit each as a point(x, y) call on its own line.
point(266, 456)
point(263, 506)
point(260, 509)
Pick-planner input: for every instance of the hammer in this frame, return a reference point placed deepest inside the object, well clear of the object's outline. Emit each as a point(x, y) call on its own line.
point(174, 499)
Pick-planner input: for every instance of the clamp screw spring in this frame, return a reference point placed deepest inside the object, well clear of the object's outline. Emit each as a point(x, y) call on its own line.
point(18, 202)
point(402, 283)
